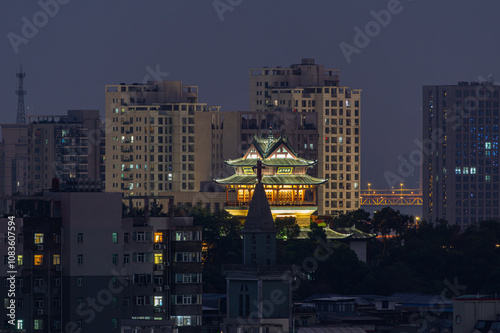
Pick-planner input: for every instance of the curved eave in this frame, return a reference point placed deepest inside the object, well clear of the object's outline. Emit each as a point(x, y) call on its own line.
point(271, 180)
point(274, 162)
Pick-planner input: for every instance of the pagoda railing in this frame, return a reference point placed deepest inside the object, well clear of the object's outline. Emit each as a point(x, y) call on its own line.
point(272, 203)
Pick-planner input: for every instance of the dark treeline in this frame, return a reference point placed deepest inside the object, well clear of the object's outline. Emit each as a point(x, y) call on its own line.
point(406, 257)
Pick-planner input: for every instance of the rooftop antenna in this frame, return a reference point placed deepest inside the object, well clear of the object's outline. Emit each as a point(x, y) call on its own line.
point(20, 92)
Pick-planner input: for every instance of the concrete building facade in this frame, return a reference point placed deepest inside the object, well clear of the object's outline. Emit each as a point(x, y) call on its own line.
point(460, 152)
point(133, 270)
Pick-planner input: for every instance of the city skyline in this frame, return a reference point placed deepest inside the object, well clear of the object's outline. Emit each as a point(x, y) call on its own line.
point(392, 62)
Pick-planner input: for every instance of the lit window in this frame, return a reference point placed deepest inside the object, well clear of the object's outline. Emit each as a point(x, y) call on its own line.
point(487, 178)
point(473, 170)
point(56, 259)
point(38, 259)
point(466, 170)
point(487, 145)
point(38, 325)
point(158, 258)
point(20, 260)
point(158, 237)
point(115, 237)
point(20, 324)
point(158, 301)
point(38, 238)
point(458, 171)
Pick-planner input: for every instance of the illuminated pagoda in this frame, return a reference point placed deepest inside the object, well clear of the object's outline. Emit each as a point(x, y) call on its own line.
point(290, 191)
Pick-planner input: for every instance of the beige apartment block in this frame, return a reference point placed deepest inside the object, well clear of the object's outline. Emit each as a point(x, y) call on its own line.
point(160, 139)
point(332, 111)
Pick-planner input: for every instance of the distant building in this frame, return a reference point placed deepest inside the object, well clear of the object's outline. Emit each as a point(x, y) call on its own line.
point(134, 272)
point(67, 147)
point(161, 140)
point(13, 160)
point(474, 313)
point(259, 295)
point(460, 152)
point(324, 118)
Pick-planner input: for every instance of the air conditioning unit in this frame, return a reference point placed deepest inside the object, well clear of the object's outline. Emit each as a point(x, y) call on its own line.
point(39, 247)
point(39, 312)
point(166, 264)
point(159, 267)
point(158, 288)
point(158, 246)
point(167, 287)
point(59, 268)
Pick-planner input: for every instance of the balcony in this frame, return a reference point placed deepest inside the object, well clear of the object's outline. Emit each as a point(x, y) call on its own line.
point(272, 203)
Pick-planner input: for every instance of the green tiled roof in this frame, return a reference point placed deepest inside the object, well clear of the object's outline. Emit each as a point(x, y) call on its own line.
point(356, 234)
point(271, 180)
point(340, 233)
point(330, 234)
point(270, 162)
point(265, 146)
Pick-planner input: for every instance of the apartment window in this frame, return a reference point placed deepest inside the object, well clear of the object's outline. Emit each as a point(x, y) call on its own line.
point(126, 302)
point(126, 237)
point(20, 260)
point(115, 259)
point(158, 237)
point(80, 238)
point(114, 237)
point(80, 259)
point(38, 238)
point(38, 259)
point(56, 259)
point(158, 301)
point(126, 258)
point(38, 324)
point(188, 256)
point(56, 303)
point(79, 282)
point(158, 258)
point(79, 303)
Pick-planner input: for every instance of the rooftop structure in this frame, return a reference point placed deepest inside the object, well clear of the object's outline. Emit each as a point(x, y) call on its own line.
point(288, 188)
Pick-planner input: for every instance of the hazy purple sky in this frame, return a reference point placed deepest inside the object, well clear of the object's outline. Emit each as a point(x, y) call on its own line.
point(91, 43)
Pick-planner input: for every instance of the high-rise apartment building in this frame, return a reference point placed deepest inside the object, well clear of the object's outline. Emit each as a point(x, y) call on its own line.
point(13, 160)
point(160, 139)
point(308, 93)
point(67, 147)
point(460, 152)
point(135, 272)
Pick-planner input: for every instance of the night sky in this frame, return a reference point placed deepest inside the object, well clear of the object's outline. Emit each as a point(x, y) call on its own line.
point(88, 44)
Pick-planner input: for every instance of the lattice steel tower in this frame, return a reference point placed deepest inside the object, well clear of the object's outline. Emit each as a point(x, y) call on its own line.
point(20, 92)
